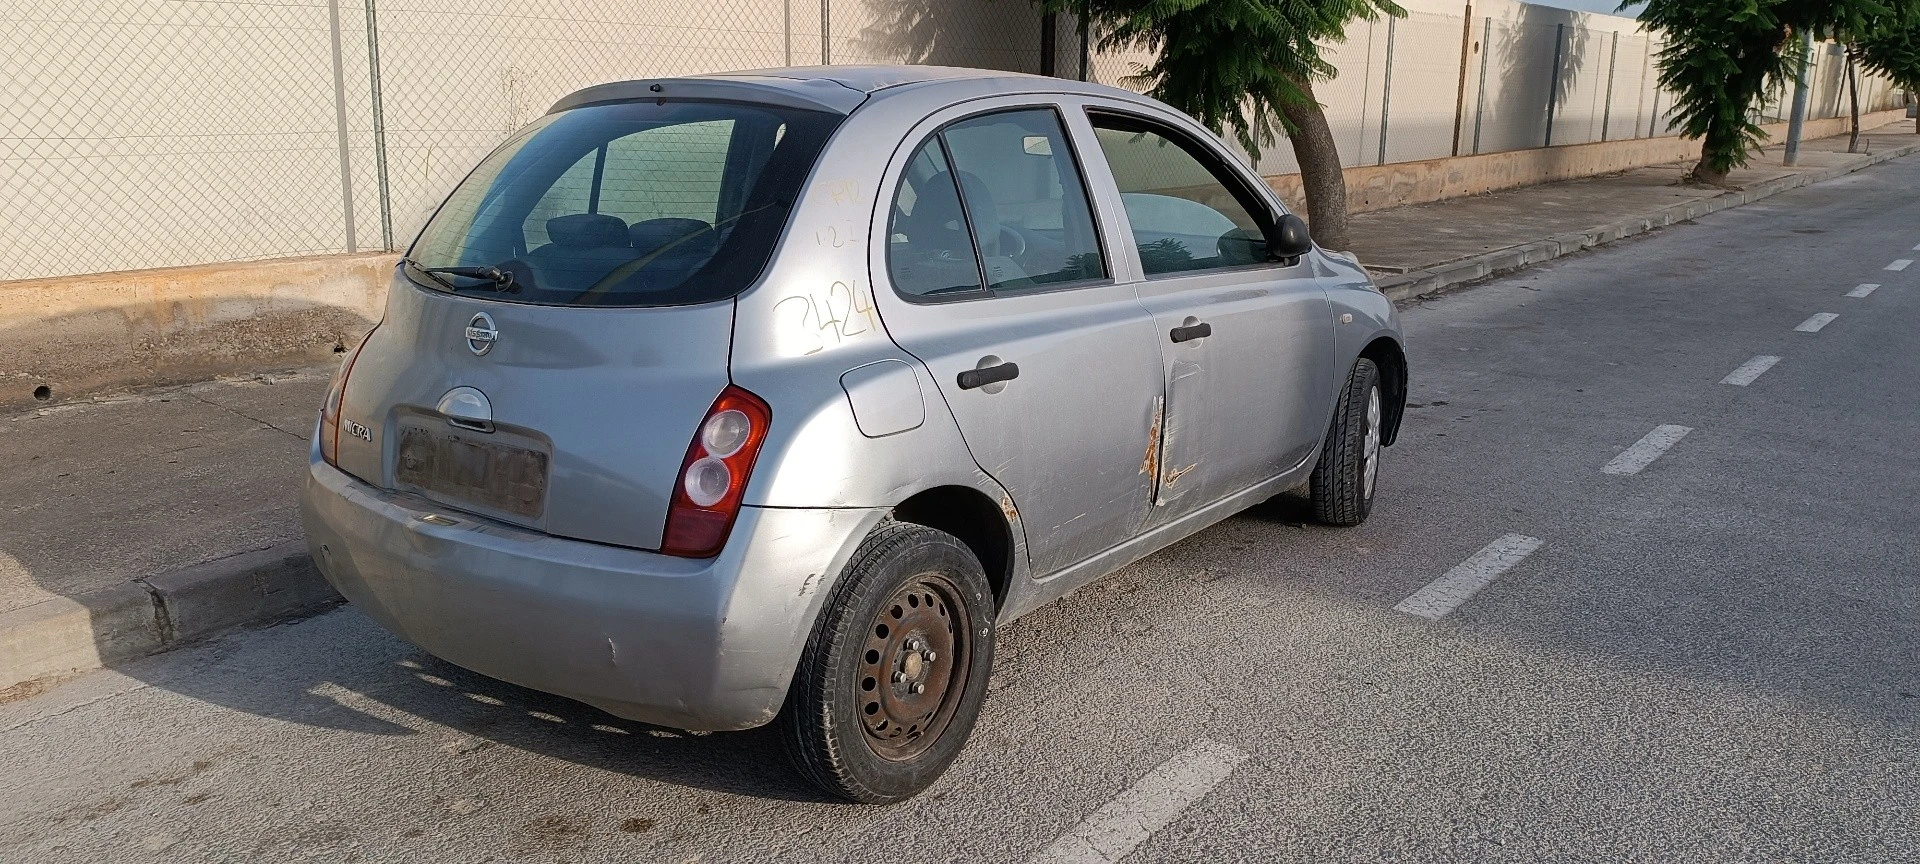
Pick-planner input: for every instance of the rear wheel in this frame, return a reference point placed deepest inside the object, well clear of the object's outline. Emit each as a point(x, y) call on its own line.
point(1342, 484)
point(896, 669)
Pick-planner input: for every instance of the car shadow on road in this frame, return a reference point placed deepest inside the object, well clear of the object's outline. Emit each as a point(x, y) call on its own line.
point(341, 671)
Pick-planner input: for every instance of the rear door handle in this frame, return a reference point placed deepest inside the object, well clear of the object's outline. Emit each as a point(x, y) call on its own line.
point(973, 378)
point(1191, 332)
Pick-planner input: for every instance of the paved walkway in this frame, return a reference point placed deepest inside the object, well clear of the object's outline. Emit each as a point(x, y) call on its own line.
point(1426, 235)
point(99, 493)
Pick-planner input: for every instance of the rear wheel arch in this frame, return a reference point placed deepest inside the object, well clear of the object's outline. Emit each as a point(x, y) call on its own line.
point(1391, 360)
point(974, 518)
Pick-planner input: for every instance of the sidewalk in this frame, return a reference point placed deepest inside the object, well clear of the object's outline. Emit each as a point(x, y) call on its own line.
point(1426, 247)
point(136, 522)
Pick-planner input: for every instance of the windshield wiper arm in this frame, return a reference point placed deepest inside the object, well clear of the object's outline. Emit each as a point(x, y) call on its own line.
point(498, 279)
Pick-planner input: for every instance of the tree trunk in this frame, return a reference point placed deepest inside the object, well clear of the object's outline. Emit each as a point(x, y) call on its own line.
point(1320, 174)
point(1853, 100)
point(1703, 173)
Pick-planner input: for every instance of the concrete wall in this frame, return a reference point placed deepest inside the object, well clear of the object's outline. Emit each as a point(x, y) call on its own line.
point(1377, 187)
point(75, 335)
point(181, 134)
point(78, 334)
point(146, 134)
point(1466, 77)
point(141, 134)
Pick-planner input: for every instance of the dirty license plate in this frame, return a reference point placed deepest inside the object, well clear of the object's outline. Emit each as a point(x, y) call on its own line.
point(467, 468)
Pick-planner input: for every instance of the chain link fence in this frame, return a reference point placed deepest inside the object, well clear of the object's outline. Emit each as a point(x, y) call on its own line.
point(1430, 85)
point(140, 133)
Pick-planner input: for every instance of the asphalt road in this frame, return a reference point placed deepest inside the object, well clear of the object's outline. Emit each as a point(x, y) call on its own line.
point(1710, 658)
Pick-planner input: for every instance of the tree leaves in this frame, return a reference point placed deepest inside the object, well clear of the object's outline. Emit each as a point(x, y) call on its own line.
point(1721, 55)
point(1229, 63)
point(1892, 46)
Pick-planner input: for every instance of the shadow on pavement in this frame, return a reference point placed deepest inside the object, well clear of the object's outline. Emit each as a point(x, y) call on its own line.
point(378, 685)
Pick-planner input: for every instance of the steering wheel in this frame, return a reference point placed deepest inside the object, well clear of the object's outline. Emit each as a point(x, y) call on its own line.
point(1013, 244)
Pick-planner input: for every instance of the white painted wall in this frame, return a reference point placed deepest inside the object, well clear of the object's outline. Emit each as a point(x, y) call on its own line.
point(153, 133)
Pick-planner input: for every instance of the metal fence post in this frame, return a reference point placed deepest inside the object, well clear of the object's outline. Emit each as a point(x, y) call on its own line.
point(1386, 92)
point(1086, 46)
point(1480, 97)
point(1613, 65)
point(1640, 89)
point(826, 32)
point(379, 127)
point(1553, 89)
point(1460, 94)
point(1049, 45)
point(786, 27)
point(340, 125)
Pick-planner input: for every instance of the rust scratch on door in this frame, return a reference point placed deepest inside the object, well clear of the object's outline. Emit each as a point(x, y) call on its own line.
point(1151, 465)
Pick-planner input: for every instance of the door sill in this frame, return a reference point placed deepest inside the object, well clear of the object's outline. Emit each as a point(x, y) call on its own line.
point(1046, 589)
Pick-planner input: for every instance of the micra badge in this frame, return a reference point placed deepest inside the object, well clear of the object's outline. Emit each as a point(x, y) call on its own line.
point(357, 430)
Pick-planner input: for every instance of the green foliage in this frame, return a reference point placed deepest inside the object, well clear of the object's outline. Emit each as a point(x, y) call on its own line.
point(1165, 255)
point(1892, 47)
point(1229, 63)
point(1721, 55)
point(1842, 21)
point(1719, 58)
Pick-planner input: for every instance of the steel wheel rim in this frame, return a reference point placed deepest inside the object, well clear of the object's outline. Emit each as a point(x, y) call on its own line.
point(1371, 452)
point(913, 668)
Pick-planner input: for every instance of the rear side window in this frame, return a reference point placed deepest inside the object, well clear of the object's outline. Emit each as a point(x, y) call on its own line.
point(993, 204)
point(627, 204)
point(1187, 210)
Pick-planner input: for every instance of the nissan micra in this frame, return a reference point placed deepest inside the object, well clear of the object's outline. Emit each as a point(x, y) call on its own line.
point(768, 396)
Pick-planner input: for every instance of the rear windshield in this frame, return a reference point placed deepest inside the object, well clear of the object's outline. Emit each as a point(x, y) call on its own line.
point(625, 204)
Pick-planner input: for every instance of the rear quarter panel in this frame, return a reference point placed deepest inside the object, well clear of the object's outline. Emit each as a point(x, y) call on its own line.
point(812, 318)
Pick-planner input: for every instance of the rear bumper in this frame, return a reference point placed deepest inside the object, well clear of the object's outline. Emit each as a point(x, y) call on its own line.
point(691, 644)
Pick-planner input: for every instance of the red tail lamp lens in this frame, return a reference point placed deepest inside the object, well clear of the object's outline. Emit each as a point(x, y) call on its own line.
point(330, 410)
point(714, 475)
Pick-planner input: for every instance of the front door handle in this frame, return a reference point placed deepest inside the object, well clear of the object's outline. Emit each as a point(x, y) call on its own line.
point(1191, 332)
point(974, 378)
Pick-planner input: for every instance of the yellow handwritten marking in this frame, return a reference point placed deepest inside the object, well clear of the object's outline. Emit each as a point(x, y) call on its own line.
point(842, 191)
point(842, 311)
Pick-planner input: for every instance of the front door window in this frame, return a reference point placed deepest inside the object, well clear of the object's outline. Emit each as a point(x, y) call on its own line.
point(1185, 216)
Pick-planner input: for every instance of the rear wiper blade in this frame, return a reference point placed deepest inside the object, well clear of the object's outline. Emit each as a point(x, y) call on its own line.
point(496, 278)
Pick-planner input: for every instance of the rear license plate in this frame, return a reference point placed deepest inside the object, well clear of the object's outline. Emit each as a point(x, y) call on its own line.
point(470, 469)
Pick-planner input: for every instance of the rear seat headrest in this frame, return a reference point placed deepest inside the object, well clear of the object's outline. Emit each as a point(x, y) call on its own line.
point(691, 238)
point(587, 230)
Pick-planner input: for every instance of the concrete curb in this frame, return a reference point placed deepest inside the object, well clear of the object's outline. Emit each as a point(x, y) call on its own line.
point(1419, 283)
point(59, 638)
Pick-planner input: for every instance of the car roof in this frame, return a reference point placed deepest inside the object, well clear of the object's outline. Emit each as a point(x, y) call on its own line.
point(840, 89)
point(868, 79)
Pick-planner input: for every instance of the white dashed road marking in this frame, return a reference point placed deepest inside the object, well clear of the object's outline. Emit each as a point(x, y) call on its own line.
point(1813, 324)
point(1645, 450)
point(1901, 264)
point(1446, 593)
point(1149, 805)
point(1750, 370)
point(1863, 289)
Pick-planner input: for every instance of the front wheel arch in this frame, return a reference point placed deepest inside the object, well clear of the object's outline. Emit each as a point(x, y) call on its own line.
point(1391, 360)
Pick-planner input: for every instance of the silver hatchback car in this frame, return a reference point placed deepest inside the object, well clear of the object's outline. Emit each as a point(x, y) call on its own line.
point(767, 396)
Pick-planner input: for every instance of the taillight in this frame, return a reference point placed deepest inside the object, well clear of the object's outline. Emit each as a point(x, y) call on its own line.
point(330, 410)
point(713, 477)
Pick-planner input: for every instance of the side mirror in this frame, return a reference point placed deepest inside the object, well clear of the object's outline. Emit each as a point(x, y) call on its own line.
point(1291, 239)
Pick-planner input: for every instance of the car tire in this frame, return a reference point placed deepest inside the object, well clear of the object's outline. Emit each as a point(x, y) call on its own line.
point(895, 671)
point(1343, 482)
